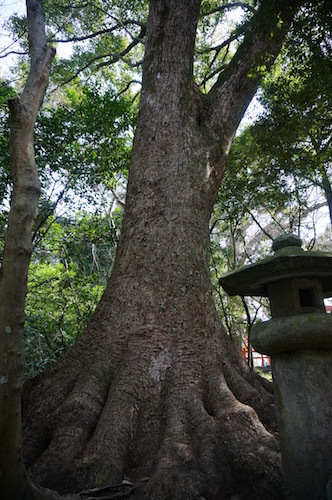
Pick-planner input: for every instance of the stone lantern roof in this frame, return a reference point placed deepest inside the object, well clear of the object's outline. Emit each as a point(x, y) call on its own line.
point(289, 261)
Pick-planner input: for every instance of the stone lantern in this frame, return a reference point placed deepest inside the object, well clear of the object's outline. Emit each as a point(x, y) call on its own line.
point(299, 340)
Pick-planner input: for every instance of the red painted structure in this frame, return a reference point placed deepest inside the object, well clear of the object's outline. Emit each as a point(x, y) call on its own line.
point(258, 359)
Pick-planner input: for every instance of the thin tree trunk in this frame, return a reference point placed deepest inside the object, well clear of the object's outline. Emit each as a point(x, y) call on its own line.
point(327, 191)
point(16, 257)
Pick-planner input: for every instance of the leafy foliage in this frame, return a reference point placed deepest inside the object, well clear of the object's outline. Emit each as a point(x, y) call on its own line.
point(67, 277)
point(294, 135)
point(85, 138)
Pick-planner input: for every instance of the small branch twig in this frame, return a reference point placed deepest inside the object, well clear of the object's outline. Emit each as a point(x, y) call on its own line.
point(101, 32)
point(14, 52)
point(230, 6)
point(128, 85)
point(113, 59)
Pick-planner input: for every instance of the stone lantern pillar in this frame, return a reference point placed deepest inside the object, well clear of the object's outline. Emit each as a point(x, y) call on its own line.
point(299, 340)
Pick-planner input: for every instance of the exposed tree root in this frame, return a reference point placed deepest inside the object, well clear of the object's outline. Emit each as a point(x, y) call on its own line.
point(177, 430)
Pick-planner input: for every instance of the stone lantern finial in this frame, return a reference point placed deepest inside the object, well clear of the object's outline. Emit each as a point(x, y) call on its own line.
point(286, 240)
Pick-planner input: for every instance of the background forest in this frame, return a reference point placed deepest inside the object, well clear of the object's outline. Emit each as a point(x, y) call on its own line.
point(278, 178)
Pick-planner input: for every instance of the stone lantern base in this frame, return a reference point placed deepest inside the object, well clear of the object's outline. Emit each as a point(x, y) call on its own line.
point(302, 378)
point(303, 392)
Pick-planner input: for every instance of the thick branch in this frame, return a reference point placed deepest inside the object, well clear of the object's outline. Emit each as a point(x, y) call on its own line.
point(236, 86)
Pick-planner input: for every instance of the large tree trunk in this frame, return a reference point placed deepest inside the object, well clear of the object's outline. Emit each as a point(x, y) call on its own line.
point(153, 388)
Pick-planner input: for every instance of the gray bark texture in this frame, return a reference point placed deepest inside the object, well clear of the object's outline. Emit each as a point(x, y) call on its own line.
point(153, 388)
point(16, 258)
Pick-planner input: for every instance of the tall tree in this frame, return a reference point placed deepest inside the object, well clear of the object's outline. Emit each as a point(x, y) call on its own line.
point(153, 388)
point(16, 255)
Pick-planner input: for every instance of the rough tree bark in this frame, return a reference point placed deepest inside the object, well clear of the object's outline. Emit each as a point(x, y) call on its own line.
point(16, 258)
point(153, 388)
